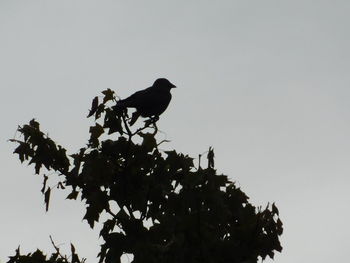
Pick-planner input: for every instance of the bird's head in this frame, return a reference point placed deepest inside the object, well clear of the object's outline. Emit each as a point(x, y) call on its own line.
point(163, 83)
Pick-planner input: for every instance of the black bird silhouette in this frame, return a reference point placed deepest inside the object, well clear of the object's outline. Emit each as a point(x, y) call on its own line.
point(150, 102)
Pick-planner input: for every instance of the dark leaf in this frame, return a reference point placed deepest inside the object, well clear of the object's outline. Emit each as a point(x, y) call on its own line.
point(108, 226)
point(109, 95)
point(72, 248)
point(60, 186)
point(95, 131)
point(274, 209)
point(149, 142)
point(44, 184)
point(112, 122)
point(33, 123)
point(73, 195)
point(47, 198)
point(99, 111)
point(210, 157)
point(94, 106)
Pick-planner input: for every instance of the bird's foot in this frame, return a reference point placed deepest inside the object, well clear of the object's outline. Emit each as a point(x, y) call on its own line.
point(155, 119)
point(151, 120)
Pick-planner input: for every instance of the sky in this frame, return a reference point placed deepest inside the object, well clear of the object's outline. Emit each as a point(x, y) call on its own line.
point(266, 83)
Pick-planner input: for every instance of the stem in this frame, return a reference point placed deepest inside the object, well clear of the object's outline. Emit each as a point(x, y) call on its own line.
point(127, 127)
point(147, 125)
point(130, 212)
point(108, 210)
point(57, 249)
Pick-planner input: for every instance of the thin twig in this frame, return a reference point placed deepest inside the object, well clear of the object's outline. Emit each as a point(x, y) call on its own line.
point(108, 210)
point(57, 249)
point(127, 127)
point(199, 161)
point(162, 142)
point(147, 125)
point(130, 212)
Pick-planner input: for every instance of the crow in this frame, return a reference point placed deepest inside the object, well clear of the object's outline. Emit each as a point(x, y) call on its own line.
point(150, 102)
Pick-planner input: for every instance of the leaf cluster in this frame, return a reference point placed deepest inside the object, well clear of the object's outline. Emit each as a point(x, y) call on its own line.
point(160, 207)
point(39, 257)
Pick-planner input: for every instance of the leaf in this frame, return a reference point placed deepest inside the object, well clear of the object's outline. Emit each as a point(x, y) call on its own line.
point(122, 216)
point(109, 95)
point(149, 142)
point(23, 150)
point(75, 258)
point(116, 240)
point(99, 111)
point(210, 157)
point(38, 256)
point(94, 106)
point(37, 166)
point(108, 226)
point(47, 198)
point(60, 185)
point(95, 131)
point(113, 122)
point(92, 214)
point(72, 248)
point(279, 226)
point(33, 123)
point(274, 209)
point(73, 195)
point(44, 183)
point(97, 202)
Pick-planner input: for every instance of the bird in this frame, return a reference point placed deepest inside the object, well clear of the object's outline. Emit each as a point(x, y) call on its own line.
point(150, 102)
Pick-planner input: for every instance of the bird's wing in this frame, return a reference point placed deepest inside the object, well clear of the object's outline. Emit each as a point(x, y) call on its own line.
point(135, 99)
point(150, 101)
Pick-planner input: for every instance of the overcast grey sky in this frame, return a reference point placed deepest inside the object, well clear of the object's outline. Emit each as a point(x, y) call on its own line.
point(266, 83)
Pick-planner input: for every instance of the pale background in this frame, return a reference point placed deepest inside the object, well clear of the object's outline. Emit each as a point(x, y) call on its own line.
point(266, 83)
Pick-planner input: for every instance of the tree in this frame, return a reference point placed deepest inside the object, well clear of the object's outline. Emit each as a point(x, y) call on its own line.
point(160, 206)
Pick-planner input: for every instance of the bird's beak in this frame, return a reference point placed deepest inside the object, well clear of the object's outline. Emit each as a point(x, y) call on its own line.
point(173, 87)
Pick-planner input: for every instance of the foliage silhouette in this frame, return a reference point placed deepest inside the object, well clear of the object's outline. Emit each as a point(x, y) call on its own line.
point(39, 257)
point(160, 207)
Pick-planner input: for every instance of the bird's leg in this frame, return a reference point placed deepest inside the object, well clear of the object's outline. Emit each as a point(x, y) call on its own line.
point(151, 120)
point(155, 118)
point(155, 128)
point(154, 121)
